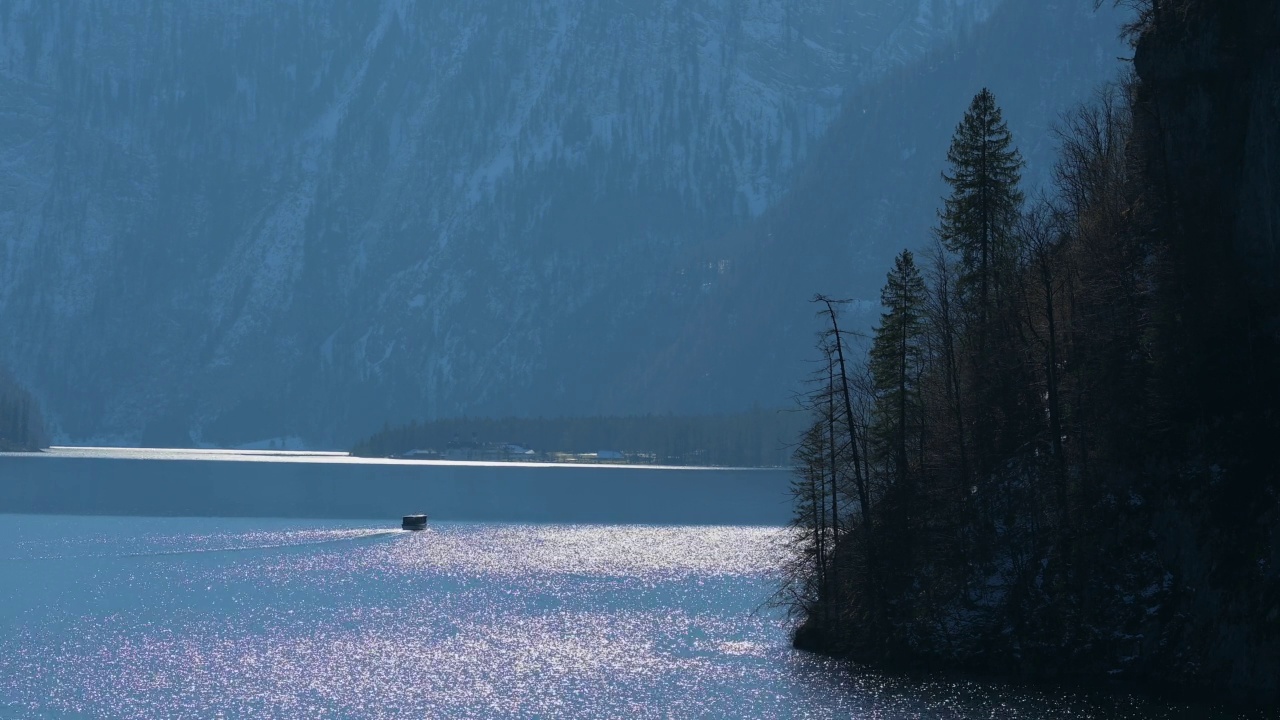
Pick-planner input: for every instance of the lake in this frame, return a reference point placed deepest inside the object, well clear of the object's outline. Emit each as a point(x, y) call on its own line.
point(118, 617)
point(238, 483)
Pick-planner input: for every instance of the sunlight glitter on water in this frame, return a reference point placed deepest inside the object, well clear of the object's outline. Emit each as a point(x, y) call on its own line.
point(203, 618)
point(590, 550)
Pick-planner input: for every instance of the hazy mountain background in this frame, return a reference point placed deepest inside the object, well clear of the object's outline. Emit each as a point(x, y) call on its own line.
point(230, 220)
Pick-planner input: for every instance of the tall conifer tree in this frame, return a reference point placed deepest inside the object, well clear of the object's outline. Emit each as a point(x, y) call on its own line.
point(978, 217)
point(978, 223)
point(896, 354)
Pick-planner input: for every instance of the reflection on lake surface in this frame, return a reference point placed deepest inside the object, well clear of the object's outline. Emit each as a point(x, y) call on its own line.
point(170, 618)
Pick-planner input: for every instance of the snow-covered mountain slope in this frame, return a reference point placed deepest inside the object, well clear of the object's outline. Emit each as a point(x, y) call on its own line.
point(231, 219)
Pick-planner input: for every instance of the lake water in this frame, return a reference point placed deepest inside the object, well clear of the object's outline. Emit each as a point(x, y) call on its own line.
point(236, 483)
point(213, 618)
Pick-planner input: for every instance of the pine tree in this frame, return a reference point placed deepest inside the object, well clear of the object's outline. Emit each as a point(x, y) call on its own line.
point(977, 219)
point(978, 223)
point(896, 354)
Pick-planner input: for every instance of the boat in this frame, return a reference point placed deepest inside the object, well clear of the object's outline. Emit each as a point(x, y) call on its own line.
point(414, 522)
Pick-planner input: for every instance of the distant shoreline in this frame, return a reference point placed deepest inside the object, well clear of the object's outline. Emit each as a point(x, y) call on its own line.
point(338, 457)
point(207, 483)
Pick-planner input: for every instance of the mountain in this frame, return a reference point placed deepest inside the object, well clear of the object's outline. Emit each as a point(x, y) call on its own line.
point(873, 186)
point(225, 221)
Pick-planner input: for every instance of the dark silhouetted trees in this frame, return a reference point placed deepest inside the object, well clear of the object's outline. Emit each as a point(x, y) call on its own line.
point(21, 422)
point(1058, 457)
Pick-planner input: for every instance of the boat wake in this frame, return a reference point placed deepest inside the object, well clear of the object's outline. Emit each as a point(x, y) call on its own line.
point(231, 543)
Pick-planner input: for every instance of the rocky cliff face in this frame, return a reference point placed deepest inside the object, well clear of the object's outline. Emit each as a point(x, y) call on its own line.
point(231, 220)
point(1208, 136)
point(1210, 77)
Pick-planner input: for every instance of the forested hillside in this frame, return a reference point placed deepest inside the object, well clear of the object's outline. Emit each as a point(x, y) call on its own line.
point(1057, 458)
point(758, 438)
